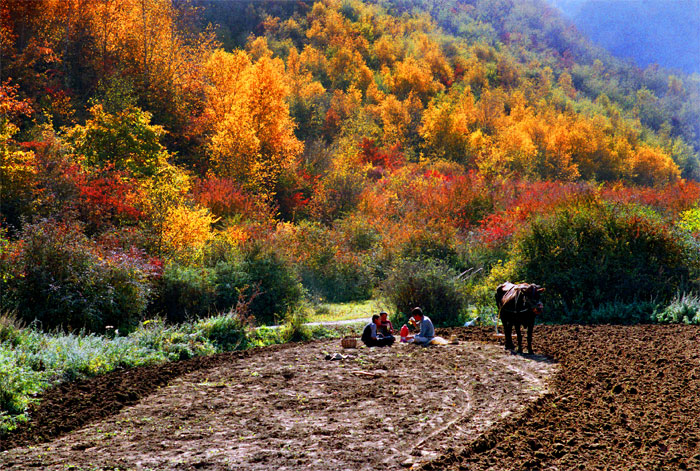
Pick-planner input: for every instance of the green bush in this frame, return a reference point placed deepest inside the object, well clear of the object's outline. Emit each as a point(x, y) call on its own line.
point(60, 278)
point(620, 313)
point(186, 292)
point(595, 254)
point(428, 284)
point(231, 283)
point(226, 332)
point(275, 287)
point(264, 335)
point(258, 275)
point(684, 309)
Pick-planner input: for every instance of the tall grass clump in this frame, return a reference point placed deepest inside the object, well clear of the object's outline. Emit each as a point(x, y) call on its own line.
point(429, 284)
point(683, 309)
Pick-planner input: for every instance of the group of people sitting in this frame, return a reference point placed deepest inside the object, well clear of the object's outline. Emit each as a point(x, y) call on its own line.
point(380, 333)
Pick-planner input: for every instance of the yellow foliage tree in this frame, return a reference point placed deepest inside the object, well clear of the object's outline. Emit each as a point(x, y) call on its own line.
point(166, 190)
point(186, 230)
point(650, 166)
point(348, 68)
point(411, 76)
point(387, 51)
point(447, 127)
point(143, 34)
point(396, 119)
point(252, 134)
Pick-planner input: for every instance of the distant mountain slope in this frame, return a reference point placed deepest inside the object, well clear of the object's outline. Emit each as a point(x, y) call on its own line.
point(666, 32)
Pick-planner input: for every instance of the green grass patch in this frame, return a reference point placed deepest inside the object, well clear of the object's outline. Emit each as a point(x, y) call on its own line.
point(332, 312)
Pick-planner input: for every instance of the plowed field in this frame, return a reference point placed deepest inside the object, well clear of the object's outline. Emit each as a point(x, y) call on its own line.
point(608, 397)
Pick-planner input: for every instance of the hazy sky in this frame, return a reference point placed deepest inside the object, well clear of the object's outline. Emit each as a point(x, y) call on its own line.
point(666, 32)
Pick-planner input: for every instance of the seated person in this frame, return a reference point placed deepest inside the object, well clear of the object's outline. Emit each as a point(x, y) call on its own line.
point(385, 327)
point(371, 338)
point(427, 331)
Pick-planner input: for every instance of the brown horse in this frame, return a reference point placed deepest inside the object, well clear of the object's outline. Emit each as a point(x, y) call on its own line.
point(517, 306)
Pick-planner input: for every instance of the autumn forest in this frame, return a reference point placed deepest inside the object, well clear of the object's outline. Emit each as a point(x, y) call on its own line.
point(179, 159)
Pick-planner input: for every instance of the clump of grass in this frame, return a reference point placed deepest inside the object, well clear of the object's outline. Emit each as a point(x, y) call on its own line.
point(10, 328)
point(294, 329)
point(684, 309)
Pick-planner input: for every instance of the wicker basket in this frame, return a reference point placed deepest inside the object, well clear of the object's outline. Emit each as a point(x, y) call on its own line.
point(349, 342)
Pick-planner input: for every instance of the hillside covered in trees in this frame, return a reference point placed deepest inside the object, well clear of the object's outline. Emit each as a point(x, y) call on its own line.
point(183, 158)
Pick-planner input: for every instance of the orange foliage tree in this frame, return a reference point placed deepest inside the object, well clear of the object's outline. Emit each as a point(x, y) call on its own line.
point(247, 116)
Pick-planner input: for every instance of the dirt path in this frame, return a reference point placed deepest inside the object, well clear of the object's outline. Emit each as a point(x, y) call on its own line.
point(292, 409)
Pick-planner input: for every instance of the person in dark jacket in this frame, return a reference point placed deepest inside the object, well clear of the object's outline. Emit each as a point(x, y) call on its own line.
point(371, 338)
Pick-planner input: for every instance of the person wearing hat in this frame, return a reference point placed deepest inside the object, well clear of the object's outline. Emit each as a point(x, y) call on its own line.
point(427, 331)
point(385, 327)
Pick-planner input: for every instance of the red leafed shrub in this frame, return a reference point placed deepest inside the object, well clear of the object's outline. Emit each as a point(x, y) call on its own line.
point(384, 159)
point(674, 198)
point(109, 198)
point(525, 200)
point(225, 198)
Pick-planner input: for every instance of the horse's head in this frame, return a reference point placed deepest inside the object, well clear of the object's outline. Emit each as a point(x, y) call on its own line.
point(532, 298)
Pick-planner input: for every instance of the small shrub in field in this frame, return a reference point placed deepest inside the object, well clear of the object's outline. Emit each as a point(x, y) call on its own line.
point(264, 335)
point(226, 332)
point(294, 329)
point(684, 309)
point(430, 285)
point(592, 254)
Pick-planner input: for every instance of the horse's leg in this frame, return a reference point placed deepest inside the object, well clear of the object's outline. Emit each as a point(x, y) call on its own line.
point(508, 331)
point(520, 338)
point(529, 337)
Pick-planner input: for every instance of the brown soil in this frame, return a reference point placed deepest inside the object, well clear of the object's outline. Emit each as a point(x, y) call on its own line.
point(620, 398)
point(625, 398)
